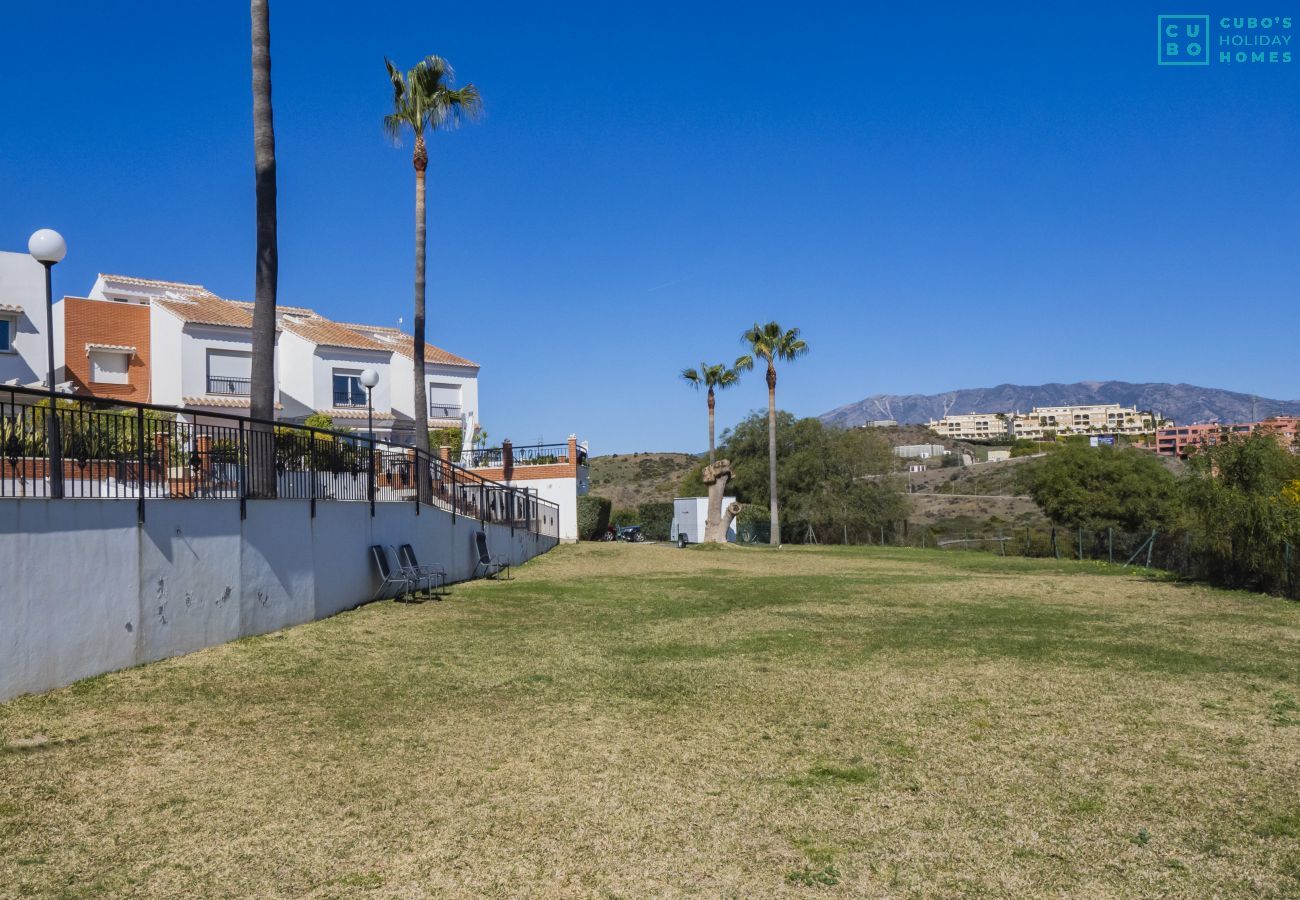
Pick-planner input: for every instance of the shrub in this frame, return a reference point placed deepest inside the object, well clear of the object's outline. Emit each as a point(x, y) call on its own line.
point(624, 515)
point(319, 420)
point(656, 519)
point(593, 517)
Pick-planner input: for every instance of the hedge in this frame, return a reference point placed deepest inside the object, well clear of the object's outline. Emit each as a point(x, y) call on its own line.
point(656, 519)
point(593, 517)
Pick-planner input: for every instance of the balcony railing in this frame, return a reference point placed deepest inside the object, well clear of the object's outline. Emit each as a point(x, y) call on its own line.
point(229, 385)
point(528, 455)
point(443, 411)
point(101, 449)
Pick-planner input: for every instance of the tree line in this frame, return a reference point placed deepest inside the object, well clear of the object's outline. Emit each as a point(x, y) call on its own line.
point(1235, 509)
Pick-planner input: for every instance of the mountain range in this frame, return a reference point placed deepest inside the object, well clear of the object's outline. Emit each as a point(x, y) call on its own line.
point(1184, 403)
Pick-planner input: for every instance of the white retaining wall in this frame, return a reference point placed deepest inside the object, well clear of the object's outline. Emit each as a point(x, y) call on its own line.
point(87, 590)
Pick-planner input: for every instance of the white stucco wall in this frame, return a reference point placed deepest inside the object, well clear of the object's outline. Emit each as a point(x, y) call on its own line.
point(99, 592)
point(297, 375)
point(564, 493)
point(403, 379)
point(165, 347)
point(326, 359)
point(22, 283)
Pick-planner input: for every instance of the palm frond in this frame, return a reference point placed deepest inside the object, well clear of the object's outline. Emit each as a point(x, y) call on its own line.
point(691, 377)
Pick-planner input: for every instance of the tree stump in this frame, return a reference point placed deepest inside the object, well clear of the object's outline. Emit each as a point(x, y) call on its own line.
point(717, 521)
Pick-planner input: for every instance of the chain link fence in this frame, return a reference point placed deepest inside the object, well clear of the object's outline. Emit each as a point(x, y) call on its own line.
point(1266, 567)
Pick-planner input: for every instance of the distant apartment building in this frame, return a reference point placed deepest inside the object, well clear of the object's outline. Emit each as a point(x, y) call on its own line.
point(1183, 440)
point(1042, 421)
point(971, 426)
point(178, 344)
point(1102, 418)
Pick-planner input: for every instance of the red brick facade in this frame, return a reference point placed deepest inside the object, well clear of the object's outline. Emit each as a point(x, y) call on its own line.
point(105, 322)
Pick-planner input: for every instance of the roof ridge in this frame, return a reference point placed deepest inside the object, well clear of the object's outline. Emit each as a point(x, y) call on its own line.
point(135, 279)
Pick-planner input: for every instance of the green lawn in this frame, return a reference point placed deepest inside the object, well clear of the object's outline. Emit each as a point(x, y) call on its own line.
point(630, 721)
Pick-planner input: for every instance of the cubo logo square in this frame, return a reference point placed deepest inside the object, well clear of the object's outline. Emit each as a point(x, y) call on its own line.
point(1183, 40)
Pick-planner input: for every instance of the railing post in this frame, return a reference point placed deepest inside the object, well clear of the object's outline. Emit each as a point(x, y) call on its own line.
point(242, 457)
point(311, 461)
point(416, 464)
point(139, 461)
point(371, 475)
point(507, 459)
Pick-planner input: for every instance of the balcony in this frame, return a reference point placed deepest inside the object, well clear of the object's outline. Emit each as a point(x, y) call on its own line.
point(443, 411)
point(229, 385)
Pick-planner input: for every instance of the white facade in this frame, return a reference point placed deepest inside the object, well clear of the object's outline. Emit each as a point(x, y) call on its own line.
point(563, 492)
point(201, 357)
point(456, 385)
point(23, 350)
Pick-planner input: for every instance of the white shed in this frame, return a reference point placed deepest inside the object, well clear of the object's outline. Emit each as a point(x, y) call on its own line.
point(689, 514)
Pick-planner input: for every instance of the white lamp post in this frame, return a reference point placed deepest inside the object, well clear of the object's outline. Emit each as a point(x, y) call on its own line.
point(48, 248)
point(370, 378)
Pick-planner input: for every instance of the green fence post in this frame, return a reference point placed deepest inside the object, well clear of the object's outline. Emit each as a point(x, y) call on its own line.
point(1110, 545)
point(1081, 544)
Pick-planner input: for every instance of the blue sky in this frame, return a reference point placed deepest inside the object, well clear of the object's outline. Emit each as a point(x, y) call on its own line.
point(960, 198)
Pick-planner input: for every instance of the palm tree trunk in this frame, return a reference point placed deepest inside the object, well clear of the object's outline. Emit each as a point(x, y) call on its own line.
point(775, 538)
point(262, 388)
point(421, 162)
point(711, 450)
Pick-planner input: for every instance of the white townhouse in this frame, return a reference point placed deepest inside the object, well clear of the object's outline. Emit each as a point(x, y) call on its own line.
point(178, 344)
point(23, 352)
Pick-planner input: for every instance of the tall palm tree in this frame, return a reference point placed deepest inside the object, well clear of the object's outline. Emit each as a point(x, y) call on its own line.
point(262, 389)
point(716, 377)
point(771, 343)
point(424, 100)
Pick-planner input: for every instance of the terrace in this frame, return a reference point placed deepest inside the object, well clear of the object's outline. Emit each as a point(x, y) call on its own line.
point(104, 449)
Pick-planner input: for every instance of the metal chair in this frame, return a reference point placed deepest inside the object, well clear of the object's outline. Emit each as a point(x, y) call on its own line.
point(389, 578)
point(491, 566)
point(434, 578)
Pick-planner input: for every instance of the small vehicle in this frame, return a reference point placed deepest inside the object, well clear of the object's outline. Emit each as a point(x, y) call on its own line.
point(629, 533)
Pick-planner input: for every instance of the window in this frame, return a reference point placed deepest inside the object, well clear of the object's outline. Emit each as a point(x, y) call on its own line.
point(228, 372)
point(109, 366)
point(7, 335)
point(444, 400)
point(347, 388)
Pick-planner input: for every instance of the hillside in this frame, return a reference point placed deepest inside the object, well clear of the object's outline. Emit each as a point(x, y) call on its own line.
point(631, 478)
point(1184, 403)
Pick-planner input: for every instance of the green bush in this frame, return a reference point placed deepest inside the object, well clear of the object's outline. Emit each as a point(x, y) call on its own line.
point(593, 517)
point(656, 519)
point(624, 515)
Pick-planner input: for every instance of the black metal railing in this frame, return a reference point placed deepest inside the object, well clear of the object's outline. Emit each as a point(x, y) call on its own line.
point(528, 455)
point(229, 385)
point(443, 411)
point(121, 450)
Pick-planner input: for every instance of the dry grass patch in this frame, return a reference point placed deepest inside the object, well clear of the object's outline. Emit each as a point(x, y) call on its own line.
point(638, 720)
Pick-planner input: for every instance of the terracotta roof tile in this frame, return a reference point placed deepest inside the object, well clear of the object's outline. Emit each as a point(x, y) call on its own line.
point(219, 402)
point(402, 343)
point(207, 309)
point(202, 307)
point(325, 333)
point(10, 307)
point(352, 413)
point(181, 286)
